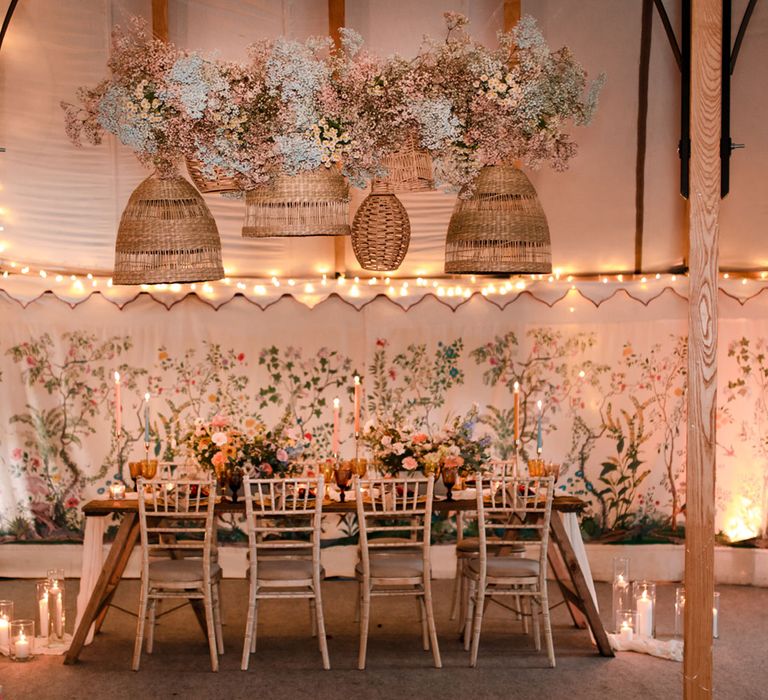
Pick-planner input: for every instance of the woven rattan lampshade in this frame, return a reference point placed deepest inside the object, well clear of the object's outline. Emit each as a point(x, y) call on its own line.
point(409, 170)
point(167, 234)
point(206, 184)
point(501, 228)
point(314, 203)
point(381, 232)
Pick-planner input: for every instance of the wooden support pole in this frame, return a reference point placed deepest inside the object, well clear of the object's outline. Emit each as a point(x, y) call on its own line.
point(336, 20)
point(160, 19)
point(512, 13)
point(703, 224)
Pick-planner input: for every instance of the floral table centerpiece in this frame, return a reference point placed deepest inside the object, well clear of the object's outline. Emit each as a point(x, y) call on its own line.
point(453, 447)
point(229, 451)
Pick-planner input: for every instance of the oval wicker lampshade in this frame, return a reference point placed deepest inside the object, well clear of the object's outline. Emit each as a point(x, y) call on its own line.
point(381, 232)
point(501, 228)
point(314, 203)
point(219, 183)
point(409, 170)
point(167, 234)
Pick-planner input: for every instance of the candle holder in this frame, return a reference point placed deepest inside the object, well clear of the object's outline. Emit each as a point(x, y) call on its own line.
point(679, 611)
point(644, 597)
point(622, 593)
point(22, 636)
point(716, 615)
point(6, 615)
point(627, 624)
point(117, 490)
point(55, 587)
point(43, 608)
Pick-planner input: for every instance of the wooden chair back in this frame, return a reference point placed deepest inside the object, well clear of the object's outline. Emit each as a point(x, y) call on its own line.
point(514, 505)
point(176, 518)
point(277, 510)
point(388, 508)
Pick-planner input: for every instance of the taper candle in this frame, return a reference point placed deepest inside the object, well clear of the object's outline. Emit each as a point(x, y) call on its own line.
point(146, 418)
point(118, 407)
point(539, 438)
point(517, 412)
point(357, 405)
point(335, 441)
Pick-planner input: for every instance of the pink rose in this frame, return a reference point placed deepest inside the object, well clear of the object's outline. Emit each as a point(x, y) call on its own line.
point(219, 439)
point(282, 455)
point(453, 461)
point(410, 464)
point(219, 459)
point(16, 454)
point(219, 421)
point(418, 438)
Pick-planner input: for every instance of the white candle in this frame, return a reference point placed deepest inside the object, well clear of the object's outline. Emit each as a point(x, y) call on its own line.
point(644, 615)
point(335, 439)
point(626, 633)
point(21, 646)
point(4, 633)
point(715, 631)
point(44, 616)
point(58, 615)
point(118, 406)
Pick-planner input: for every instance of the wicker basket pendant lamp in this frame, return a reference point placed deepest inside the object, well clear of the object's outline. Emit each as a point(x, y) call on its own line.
point(207, 185)
point(501, 228)
point(167, 234)
point(408, 170)
point(381, 231)
point(313, 203)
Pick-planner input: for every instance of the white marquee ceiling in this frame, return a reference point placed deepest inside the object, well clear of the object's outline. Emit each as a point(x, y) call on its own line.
point(60, 205)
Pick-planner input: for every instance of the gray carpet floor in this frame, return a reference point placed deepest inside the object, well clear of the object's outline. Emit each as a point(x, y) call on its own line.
point(287, 663)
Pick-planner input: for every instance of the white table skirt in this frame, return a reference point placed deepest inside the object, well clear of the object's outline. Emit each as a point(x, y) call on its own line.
point(93, 560)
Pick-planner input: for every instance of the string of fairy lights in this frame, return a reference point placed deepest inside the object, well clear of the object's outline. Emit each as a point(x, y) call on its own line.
point(354, 286)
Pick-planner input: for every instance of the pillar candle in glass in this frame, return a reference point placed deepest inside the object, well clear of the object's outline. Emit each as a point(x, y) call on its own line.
point(6, 615)
point(679, 611)
point(644, 596)
point(43, 609)
point(627, 620)
point(622, 593)
point(56, 605)
point(22, 640)
point(117, 490)
point(716, 615)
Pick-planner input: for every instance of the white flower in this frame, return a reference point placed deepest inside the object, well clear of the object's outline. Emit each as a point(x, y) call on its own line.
point(219, 438)
point(386, 440)
point(454, 450)
point(398, 448)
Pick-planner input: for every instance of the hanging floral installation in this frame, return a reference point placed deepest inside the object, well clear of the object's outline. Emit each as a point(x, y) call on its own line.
point(298, 106)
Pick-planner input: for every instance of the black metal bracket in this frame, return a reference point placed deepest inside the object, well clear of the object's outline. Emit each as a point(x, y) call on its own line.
point(682, 54)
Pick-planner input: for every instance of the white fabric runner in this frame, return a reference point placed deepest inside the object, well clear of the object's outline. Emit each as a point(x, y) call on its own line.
point(93, 560)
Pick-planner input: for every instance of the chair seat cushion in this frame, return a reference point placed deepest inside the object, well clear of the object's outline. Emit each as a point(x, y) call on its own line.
point(274, 569)
point(472, 544)
point(180, 571)
point(507, 567)
point(395, 566)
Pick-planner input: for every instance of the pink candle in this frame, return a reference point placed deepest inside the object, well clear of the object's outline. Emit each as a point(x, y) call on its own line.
point(358, 388)
point(118, 406)
point(335, 442)
point(517, 412)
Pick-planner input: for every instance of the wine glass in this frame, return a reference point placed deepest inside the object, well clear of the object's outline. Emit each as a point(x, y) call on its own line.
point(342, 475)
point(134, 468)
point(149, 468)
point(450, 476)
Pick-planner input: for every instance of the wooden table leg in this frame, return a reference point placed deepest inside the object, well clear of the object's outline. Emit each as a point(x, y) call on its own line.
point(562, 577)
point(579, 595)
point(110, 575)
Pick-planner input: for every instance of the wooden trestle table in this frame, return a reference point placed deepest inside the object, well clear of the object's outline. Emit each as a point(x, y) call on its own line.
point(562, 559)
